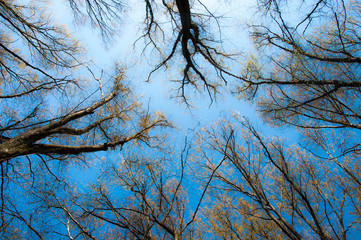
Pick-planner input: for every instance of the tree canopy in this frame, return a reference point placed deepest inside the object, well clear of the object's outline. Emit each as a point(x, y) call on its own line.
point(83, 157)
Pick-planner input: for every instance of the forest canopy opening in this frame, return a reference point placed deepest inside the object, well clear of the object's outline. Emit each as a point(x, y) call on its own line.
point(61, 124)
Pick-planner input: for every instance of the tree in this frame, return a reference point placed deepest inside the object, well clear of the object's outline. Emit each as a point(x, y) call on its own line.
point(141, 198)
point(312, 80)
point(177, 30)
point(190, 35)
point(154, 205)
point(268, 189)
point(40, 135)
point(65, 127)
point(22, 130)
point(265, 190)
point(306, 77)
point(135, 199)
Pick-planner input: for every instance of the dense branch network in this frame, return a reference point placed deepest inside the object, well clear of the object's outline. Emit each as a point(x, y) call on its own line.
point(252, 186)
point(192, 41)
point(27, 142)
point(313, 68)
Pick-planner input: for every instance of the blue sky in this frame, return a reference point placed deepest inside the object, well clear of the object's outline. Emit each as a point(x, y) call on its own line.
point(235, 16)
point(157, 93)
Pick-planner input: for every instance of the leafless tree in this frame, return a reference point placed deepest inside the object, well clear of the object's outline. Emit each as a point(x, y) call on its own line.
point(267, 190)
point(104, 15)
point(50, 118)
point(178, 31)
point(148, 201)
point(312, 67)
point(193, 41)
